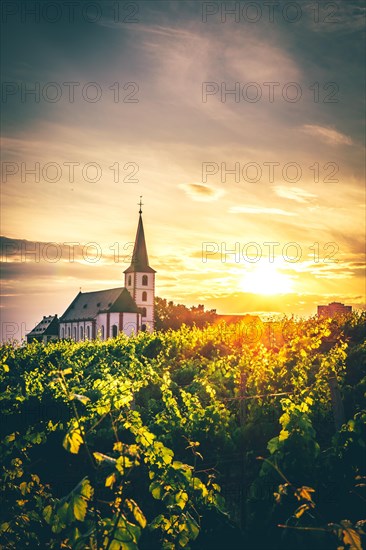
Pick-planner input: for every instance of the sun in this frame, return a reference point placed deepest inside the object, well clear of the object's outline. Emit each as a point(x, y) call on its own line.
point(267, 280)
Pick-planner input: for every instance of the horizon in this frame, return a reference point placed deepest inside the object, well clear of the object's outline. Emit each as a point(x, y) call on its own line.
point(242, 131)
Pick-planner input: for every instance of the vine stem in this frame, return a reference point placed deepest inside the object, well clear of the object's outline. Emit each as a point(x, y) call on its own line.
point(110, 539)
point(276, 468)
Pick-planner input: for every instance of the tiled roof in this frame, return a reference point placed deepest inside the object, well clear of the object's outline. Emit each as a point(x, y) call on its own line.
point(87, 305)
point(48, 325)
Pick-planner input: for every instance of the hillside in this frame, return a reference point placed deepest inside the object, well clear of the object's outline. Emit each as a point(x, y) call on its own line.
point(194, 438)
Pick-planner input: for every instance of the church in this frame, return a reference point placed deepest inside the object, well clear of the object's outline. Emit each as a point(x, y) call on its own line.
point(106, 313)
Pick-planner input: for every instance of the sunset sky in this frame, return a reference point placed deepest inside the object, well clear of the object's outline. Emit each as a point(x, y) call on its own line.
point(290, 136)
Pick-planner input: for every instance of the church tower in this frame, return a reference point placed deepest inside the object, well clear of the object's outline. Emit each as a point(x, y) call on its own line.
point(140, 278)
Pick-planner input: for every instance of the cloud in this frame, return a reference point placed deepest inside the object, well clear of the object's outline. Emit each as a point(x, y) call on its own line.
point(329, 135)
point(201, 192)
point(260, 210)
point(294, 193)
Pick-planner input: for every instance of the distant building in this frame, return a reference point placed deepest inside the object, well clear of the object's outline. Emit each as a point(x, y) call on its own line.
point(107, 313)
point(128, 309)
point(45, 331)
point(333, 309)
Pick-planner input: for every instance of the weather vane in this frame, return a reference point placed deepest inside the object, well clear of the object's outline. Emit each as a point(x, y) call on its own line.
point(140, 204)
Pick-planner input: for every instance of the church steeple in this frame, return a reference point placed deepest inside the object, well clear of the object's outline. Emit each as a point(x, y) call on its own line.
point(140, 259)
point(140, 277)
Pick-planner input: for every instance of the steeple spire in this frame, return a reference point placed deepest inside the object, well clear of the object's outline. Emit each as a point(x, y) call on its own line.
point(140, 260)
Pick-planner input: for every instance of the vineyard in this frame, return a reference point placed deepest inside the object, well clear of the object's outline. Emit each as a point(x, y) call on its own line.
point(193, 438)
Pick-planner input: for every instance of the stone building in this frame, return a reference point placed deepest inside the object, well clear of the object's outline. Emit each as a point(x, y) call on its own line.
point(107, 313)
point(333, 309)
point(45, 331)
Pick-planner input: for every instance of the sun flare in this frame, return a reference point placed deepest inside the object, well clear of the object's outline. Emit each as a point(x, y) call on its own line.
point(266, 280)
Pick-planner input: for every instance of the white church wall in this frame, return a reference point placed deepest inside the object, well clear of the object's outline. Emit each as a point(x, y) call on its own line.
point(102, 326)
point(88, 330)
point(140, 279)
point(131, 323)
point(114, 322)
point(62, 332)
point(77, 330)
point(145, 297)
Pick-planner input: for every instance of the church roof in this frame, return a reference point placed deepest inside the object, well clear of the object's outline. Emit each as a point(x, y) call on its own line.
point(87, 305)
point(140, 260)
point(48, 325)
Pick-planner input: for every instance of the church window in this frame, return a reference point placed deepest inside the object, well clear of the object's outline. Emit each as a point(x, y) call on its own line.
point(129, 280)
point(81, 333)
point(62, 332)
point(144, 296)
point(144, 280)
point(75, 334)
point(88, 332)
point(144, 311)
point(102, 332)
point(114, 331)
point(69, 332)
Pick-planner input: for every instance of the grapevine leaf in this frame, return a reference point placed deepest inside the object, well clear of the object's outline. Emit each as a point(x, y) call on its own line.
point(351, 536)
point(283, 435)
point(300, 510)
point(192, 526)
point(67, 371)
point(272, 445)
point(146, 437)
point(137, 512)
point(73, 440)
point(79, 507)
point(110, 480)
point(156, 490)
point(181, 498)
point(47, 513)
point(304, 493)
point(86, 489)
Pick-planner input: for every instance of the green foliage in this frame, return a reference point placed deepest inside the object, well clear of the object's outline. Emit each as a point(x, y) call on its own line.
point(134, 442)
point(172, 316)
